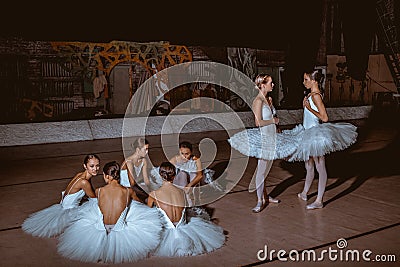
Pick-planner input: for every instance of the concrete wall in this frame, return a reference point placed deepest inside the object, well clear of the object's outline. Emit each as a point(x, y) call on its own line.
point(70, 131)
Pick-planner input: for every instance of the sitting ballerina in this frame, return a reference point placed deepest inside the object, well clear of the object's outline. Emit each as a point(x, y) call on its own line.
point(114, 229)
point(181, 237)
point(313, 139)
point(53, 220)
point(134, 168)
point(190, 173)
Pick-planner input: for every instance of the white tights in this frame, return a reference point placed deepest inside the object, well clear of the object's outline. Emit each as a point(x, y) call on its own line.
point(263, 167)
point(321, 169)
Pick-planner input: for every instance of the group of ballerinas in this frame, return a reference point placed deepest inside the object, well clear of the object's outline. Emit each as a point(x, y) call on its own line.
point(120, 221)
point(308, 142)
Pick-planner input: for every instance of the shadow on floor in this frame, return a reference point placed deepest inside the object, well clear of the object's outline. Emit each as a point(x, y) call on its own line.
point(344, 165)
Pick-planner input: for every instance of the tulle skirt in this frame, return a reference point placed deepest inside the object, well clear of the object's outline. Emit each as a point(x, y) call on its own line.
point(133, 237)
point(196, 237)
point(50, 221)
point(263, 143)
point(320, 140)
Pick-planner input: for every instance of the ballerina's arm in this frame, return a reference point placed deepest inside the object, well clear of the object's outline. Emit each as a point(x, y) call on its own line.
point(321, 113)
point(257, 110)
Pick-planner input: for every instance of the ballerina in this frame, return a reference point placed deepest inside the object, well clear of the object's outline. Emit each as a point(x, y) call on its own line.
point(134, 170)
point(182, 235)
point(190, 175)
point(53, 220)
point(313, 140)
point(114, 229)
point(262, 142)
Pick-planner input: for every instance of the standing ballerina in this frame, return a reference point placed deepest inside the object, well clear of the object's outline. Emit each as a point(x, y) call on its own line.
point(261, 142)
point(54, 219)
point(315, 139)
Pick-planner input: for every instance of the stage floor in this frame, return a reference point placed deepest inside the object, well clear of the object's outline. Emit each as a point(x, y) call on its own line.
point(362, 203)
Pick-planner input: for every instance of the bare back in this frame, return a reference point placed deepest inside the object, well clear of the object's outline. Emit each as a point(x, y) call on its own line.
point(113, 199)
point(170, 199)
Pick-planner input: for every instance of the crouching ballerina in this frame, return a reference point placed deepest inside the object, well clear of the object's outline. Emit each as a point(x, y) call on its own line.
point(190, 176)
point(181, 236)
point(53, 220)
point(114, 229)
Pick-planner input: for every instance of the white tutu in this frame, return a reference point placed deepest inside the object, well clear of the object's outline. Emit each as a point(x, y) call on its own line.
point(53, 220)
point(263, 143)
point(135, 235)
point(191, 238)
point(313, 139)
point(320, 139)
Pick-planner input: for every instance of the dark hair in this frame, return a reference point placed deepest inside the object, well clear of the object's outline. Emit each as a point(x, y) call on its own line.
point(319, 77)
point(186, 144)
point(139, 143)
point(261, 78)
point(112, 168)
point(167, 171)
point(89, 157)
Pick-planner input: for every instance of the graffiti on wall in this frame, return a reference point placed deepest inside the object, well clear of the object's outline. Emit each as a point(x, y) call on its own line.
point(86, 57)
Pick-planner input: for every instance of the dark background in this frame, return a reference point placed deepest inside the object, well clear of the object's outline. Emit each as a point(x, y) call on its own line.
point(264, 25)
point(290, 26)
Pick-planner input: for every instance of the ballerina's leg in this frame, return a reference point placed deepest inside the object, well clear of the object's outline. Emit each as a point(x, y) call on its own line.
point(323, 177)
point(320, 165)
point(309, 165)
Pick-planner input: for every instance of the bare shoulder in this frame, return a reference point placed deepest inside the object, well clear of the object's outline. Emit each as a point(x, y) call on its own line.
point(257, 100)
point(83, 182)
point(79, 175)
point(316, 96)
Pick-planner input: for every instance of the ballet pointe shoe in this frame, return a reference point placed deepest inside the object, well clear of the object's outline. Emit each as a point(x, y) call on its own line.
point(273, 200)
point(315, 205)
point(302, 196)
point(260, 206)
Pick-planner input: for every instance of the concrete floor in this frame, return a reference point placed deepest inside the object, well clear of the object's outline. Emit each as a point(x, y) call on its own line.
point(362, 203)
